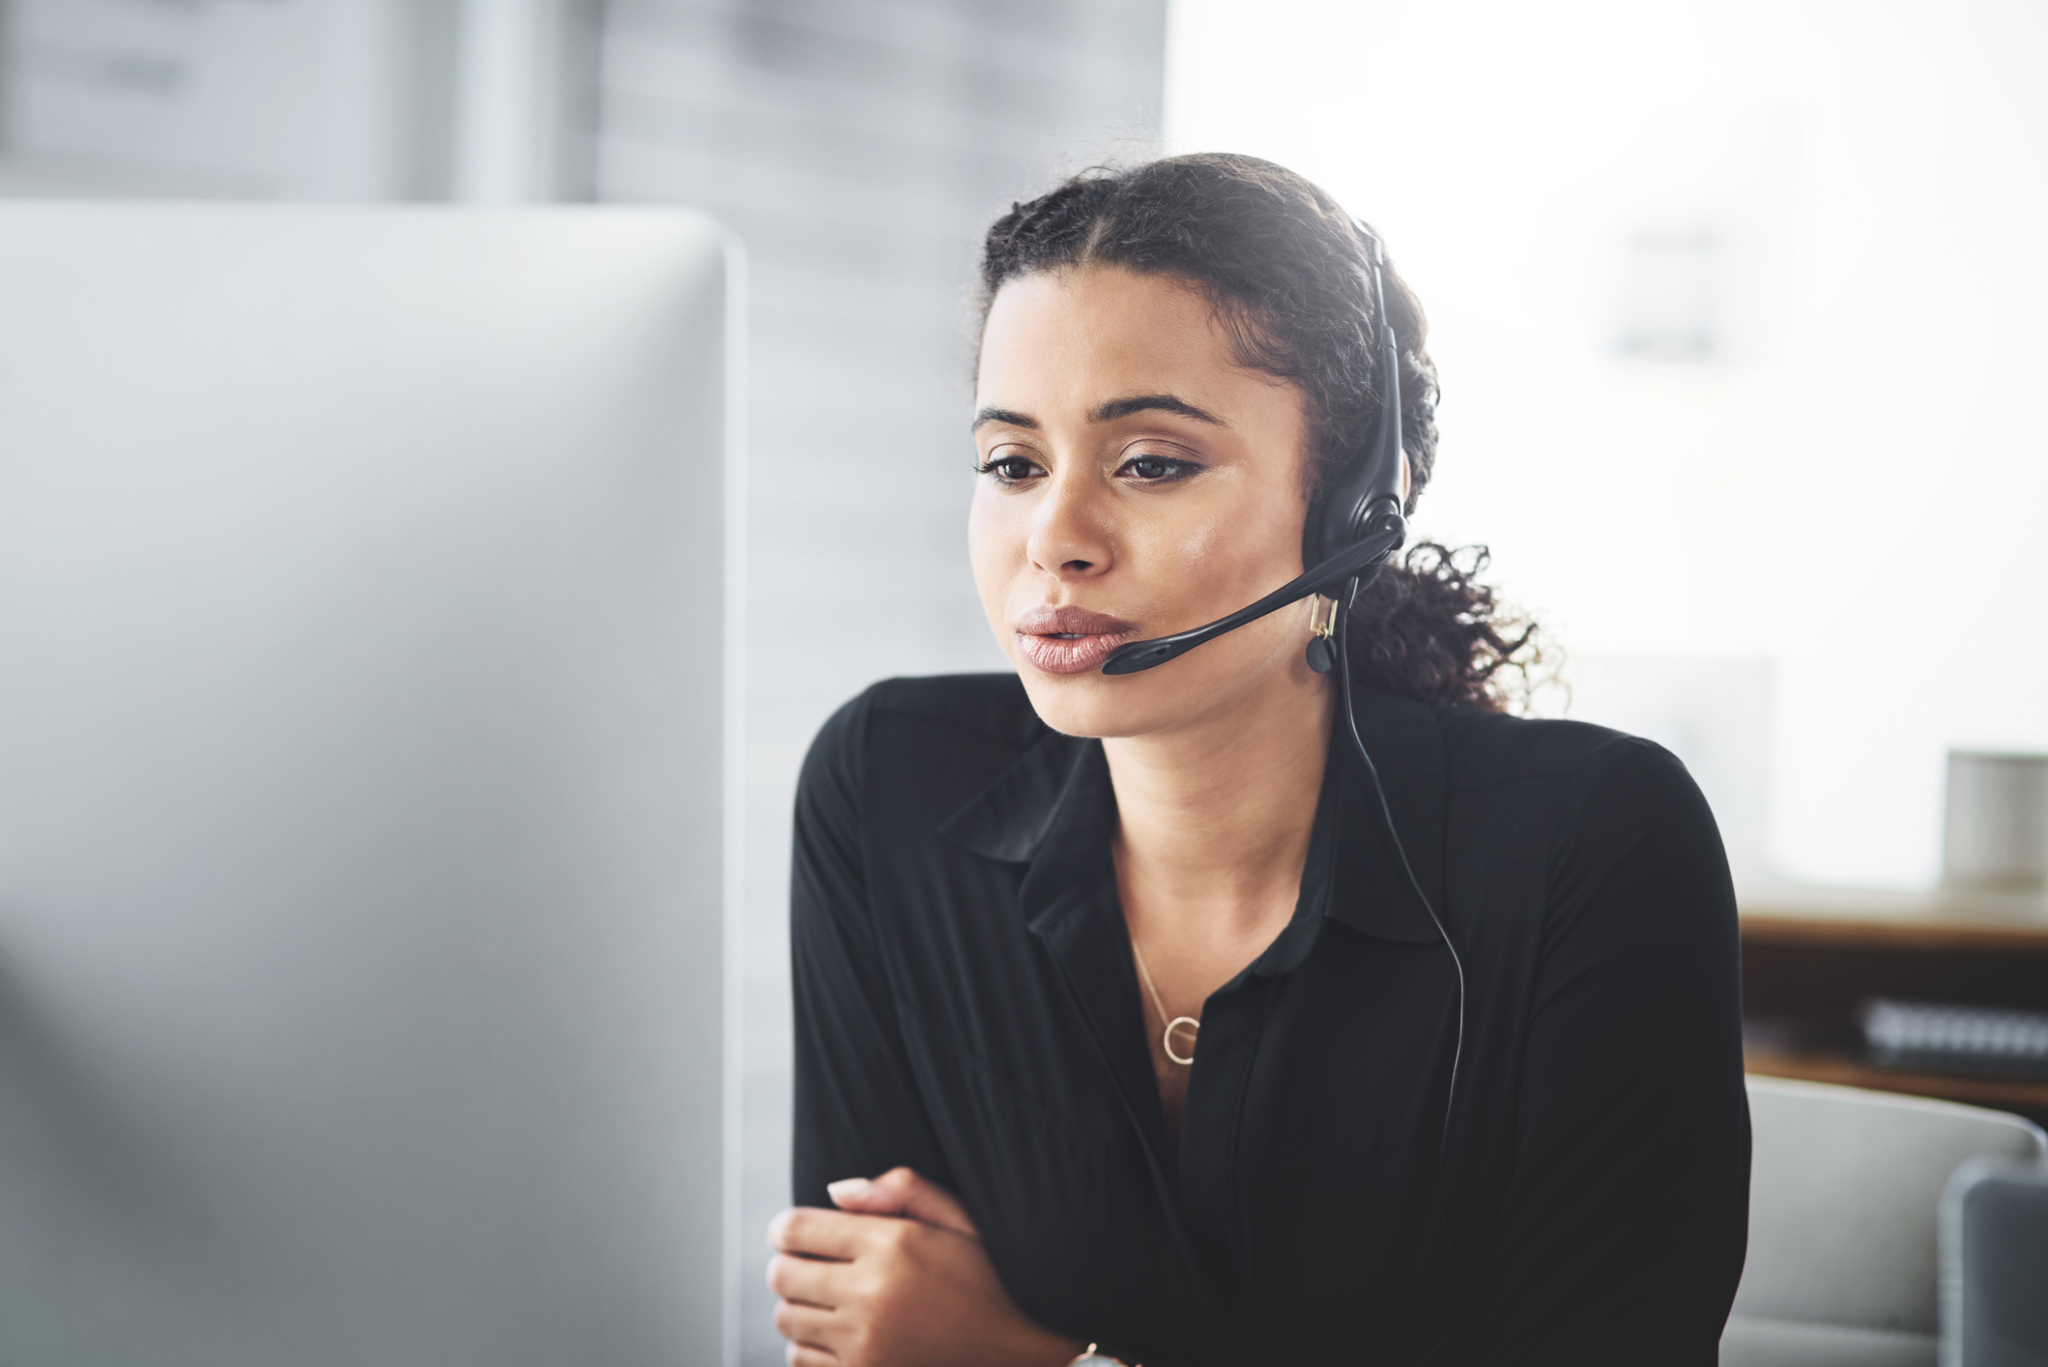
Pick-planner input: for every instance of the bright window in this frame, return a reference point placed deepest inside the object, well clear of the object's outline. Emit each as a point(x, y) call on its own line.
point(1742, 314)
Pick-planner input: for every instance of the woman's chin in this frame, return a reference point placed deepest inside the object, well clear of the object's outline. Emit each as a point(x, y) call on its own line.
point(1077, 704)
point(1108, 706)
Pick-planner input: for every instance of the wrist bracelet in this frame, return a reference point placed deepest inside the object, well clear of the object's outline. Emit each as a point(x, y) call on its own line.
point(1091, 1358)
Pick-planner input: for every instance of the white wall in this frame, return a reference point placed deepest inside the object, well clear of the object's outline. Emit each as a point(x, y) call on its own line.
point(481, 100)
point(294, 98)
point(1849, 484)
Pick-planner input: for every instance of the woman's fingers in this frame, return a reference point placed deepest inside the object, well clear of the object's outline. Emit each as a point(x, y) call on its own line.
point(863, 1290)
point(902, 1191)
point(808, 1327)
point(811, 1281)
point(818, 1233)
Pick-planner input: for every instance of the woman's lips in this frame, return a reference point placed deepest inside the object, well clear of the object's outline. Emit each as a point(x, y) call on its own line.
point(1069, 639)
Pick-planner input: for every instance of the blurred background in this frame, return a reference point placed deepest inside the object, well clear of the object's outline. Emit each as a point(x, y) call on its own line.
point(1737, 308)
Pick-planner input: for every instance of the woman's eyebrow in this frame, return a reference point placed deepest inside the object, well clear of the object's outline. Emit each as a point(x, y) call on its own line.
point(1007, 417)
point(1157, 403)
point(1108, 411)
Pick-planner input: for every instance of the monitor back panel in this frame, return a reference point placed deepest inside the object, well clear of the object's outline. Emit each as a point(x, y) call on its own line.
point(362, 755)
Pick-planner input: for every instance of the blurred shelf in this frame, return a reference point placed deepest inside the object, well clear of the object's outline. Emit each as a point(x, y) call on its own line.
point(1866, 918)
point(1811, 957)
point(2029, 1095)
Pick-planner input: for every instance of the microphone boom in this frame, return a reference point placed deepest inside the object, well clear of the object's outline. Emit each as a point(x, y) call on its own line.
point(1366, 554)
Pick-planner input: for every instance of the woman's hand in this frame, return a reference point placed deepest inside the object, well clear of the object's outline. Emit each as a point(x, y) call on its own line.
point(896, 1277)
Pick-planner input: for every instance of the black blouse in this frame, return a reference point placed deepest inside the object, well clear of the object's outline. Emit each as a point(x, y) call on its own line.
point(966, 1005)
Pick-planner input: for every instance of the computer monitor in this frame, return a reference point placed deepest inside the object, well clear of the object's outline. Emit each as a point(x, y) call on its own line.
point(367, 764)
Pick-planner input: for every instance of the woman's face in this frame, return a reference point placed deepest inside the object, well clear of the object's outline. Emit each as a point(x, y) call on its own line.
point(1135, 481)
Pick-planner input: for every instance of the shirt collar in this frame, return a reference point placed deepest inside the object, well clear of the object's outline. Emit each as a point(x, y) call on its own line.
point(1053, 810)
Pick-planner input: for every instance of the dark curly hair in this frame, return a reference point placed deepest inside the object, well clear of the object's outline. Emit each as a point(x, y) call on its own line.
point(1282, 265)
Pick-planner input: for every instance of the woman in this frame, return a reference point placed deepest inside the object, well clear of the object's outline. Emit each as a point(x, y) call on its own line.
point(1120, 1022)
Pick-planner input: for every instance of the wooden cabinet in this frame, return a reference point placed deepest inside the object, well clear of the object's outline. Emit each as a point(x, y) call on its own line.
point(1811, 958)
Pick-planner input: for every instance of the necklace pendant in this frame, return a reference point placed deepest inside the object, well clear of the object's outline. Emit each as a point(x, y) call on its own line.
point(1193, 1027)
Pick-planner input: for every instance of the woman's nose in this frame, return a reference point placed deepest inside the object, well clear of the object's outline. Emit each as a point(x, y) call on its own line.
point(1070, 533)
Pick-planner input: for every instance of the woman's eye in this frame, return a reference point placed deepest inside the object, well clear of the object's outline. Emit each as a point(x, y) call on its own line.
point(1006, 469)
point(1155, 469)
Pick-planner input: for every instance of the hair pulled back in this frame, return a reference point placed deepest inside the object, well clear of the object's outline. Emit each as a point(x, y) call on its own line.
point(1284, 268)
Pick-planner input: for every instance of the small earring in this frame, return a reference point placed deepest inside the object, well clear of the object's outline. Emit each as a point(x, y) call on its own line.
point(1322, 644)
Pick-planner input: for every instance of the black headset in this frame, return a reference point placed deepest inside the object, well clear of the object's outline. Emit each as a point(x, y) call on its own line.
point(1351, 529)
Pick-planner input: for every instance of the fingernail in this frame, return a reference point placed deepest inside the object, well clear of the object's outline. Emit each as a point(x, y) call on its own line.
point(847, 1186)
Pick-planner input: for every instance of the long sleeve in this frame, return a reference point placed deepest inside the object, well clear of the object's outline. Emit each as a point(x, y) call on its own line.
point(1622, 1235)
point(965, 1006)
point(858, 1112)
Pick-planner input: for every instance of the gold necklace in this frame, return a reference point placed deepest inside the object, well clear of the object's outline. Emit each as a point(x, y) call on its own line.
point(1166, 1036)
